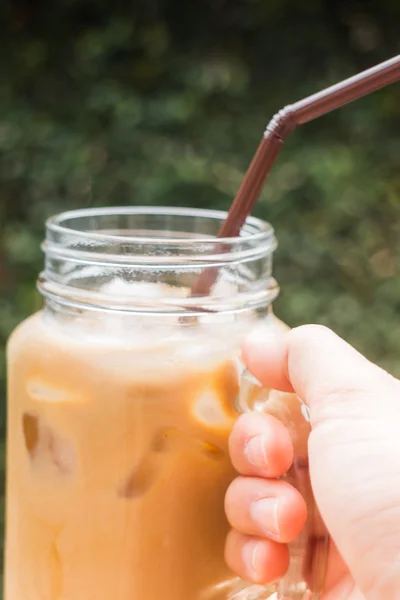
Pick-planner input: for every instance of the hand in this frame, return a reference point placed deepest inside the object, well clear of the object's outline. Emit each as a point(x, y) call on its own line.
point(354, 458)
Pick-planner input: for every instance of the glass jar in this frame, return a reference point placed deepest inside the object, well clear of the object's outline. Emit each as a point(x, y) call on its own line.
point(122, 393)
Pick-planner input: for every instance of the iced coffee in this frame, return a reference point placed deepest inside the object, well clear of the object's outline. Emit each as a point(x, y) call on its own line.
point(118, 467)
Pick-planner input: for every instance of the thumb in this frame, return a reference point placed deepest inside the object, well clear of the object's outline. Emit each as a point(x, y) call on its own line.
point(310, 360)
point(354, 446)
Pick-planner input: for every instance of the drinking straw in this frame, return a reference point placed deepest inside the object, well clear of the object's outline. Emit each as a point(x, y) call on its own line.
point(283, 123)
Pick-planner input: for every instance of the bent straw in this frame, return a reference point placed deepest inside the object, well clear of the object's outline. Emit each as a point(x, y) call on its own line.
point(280, 126)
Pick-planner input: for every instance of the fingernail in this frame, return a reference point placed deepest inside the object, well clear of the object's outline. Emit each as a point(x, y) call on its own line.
point(250, 558)
point(265, 515)
point(256, 451)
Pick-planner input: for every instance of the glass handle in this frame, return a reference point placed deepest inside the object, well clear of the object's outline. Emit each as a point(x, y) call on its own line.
point(305, 577)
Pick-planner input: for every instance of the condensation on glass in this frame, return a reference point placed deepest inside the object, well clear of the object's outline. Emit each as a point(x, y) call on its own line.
point(122, 393)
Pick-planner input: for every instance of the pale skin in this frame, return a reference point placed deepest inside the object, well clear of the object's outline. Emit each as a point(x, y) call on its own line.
point(354, 456)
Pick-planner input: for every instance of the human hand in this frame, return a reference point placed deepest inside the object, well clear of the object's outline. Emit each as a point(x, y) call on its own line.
point(354, 459)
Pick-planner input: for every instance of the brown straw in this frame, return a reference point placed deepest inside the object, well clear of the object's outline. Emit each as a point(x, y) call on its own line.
point(275, 134)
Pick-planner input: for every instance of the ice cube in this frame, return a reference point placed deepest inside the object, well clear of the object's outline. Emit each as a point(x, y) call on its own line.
point(42, 392)
point(141, 479)
point(30, 428)
point(61, 453)
point(211, 450)
point(170, 439)
point(46, 447)
point(142, 289)
point(224, 288)
point(208, 410)
point(166, 441)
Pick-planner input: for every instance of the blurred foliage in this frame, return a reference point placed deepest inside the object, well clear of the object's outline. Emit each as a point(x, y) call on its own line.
point(164, 102)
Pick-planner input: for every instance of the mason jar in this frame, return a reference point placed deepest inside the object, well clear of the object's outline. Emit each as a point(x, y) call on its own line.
point(122, 393)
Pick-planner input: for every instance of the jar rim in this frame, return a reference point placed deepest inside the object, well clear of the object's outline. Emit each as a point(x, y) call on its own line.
point(254, 229)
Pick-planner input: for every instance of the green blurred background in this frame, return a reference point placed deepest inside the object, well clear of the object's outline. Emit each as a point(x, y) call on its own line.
point(164, 102)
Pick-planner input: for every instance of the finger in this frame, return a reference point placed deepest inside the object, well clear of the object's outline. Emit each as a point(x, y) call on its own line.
point(314, 362)
point(254, 559)
point(265, 353)
point(266, 508)
point(260, 445)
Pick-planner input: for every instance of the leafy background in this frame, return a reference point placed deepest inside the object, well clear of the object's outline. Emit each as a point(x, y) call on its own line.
point(164, 102)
